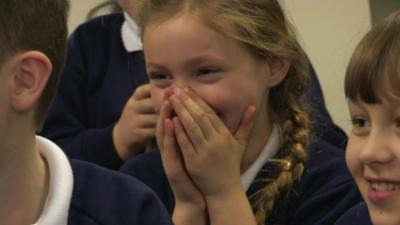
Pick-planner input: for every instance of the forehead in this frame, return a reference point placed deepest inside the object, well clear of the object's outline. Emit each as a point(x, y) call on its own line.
point(184, 36)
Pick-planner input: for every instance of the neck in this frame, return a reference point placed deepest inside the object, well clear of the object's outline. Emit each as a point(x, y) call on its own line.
point(258, 139)
point(24, 178)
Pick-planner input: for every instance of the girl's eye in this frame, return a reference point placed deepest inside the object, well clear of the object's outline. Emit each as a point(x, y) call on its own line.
point(159, 79)
point(359, 121)
point(157, 76)
point(361, 125)
point(207, 71)
point(397, 122)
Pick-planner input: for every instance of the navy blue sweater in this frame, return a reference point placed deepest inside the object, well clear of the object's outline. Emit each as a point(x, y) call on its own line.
point(98, 79)
point(325, 191)
point(358, 215)
point(104, 197)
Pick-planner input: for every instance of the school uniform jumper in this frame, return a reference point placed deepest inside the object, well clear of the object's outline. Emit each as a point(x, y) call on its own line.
point(100, 75)
point(358, 215)
point(324, 192)
point(81, 193)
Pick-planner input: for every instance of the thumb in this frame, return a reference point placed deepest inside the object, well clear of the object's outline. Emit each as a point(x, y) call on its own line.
point(245, 126)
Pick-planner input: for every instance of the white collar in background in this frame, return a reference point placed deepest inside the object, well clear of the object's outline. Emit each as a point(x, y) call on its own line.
point(270, 149)
point(58, 200)
point(130, 35)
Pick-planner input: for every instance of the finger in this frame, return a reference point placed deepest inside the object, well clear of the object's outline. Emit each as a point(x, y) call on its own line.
point(167, 93)
point(215, 120)
point(146, 133)
point(183, 141)
point(245, 126)
point(170, 156)
point(166, 111)
point(190, 126)
point(198, 113)
point(144, 106)
point(142, 92)
point(145, 121)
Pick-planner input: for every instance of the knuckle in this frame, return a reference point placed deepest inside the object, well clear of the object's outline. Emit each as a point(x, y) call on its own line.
point(200, 114)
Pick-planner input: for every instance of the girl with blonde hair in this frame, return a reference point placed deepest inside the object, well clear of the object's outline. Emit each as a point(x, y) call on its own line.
point(227, 79)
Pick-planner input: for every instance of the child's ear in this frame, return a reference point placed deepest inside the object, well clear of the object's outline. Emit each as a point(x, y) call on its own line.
point(278, 69)
point(33, 70)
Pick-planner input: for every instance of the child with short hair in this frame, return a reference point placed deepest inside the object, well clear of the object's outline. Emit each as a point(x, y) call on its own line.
point(372, 87)
point(228, 81)
point(38, 184)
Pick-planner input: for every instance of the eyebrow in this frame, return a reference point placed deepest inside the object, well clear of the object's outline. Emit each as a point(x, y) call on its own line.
point(156, 65)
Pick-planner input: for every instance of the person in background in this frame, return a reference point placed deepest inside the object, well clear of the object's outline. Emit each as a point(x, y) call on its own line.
point(102, 112)
point(228, 80)
point(38, 184)
point(373, 156)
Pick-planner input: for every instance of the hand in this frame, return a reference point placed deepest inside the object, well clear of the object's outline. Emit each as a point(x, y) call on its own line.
point(212, 154)
point(137, 125)
point(190, 206)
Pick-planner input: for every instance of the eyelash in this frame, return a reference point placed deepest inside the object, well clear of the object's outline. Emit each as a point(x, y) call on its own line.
point(205, 74)
point(360, 125)
point(157, 76)
point(208, 71)
point(357, 120)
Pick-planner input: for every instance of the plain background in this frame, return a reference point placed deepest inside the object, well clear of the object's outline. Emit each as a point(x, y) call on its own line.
point(327, 29)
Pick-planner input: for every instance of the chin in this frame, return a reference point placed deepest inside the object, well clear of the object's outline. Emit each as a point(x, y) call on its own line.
point(379, 217)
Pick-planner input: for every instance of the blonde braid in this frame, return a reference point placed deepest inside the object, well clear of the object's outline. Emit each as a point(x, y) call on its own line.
point(291, 113)
point(296, 136)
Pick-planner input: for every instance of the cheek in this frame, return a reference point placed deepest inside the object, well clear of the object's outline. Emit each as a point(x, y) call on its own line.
point(352, 157)
point(226, 103)
point(157, 97)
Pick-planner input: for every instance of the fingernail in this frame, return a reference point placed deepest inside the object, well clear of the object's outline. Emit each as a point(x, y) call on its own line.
point(178, 91)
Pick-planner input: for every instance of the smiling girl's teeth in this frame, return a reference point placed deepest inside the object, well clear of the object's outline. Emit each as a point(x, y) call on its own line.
point(380, 186)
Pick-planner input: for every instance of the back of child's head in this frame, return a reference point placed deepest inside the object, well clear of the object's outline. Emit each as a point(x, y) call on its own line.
point(373, 71)
point(35, 25)
point(261, 27)
point(110, 6)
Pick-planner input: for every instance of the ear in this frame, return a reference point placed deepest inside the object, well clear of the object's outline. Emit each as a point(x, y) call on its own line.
point(278, 69)
point(33, 70)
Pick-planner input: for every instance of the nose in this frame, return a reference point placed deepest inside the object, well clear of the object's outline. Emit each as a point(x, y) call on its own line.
point(176, 83)
point(377, 148)
point(180, 84)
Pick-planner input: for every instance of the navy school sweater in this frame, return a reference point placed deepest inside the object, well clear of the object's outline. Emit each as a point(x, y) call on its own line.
point(358, 215)
point(105, 197)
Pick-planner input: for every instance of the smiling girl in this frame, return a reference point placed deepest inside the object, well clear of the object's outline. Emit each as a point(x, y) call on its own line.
point(227, 79)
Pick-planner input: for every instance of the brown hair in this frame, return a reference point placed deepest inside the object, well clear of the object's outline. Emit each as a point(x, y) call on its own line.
point(39, 25)
point(262, 28)
point(375, 62)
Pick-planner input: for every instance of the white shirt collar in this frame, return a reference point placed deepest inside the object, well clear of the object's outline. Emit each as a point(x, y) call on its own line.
point(130, 35)
point(58, 200)
point(270, 149)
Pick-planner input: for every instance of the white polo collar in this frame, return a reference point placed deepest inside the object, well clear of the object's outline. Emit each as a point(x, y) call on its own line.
point(58, 200)
point(270, 149)
point(130, 33)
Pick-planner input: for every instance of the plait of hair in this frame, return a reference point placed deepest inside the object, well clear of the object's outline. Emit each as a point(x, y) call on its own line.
point(291, 114)
point(295, 133)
